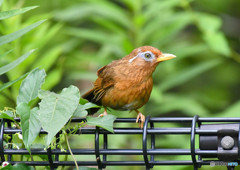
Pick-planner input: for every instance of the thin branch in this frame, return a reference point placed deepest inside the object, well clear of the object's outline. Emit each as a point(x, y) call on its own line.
point(75, 161)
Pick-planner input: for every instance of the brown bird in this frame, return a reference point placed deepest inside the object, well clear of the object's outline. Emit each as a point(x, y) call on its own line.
point(126, 84)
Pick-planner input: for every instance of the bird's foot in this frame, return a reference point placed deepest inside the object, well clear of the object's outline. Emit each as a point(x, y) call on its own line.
point(104, 113)
point(140, 119)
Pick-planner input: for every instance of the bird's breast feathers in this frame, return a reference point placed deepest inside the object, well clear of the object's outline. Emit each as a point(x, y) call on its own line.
point(124, 97)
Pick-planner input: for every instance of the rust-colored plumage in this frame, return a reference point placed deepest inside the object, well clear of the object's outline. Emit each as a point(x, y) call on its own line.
point(126, 84)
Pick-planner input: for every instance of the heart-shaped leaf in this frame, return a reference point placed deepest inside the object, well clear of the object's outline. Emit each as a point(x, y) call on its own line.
point(30, 86)
point(56, 109)
point(81, 110)
point(30, 124)
point(105, 122)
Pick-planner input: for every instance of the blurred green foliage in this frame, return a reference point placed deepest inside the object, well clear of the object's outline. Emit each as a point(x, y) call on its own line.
point(80, 36)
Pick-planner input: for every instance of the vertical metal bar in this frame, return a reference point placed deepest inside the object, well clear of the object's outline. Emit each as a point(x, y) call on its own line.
point(152, 142)
point(145, 156)
point(199, 156)
point(105, 146)
point(50, 160)
point(193, 130)
point(57, 155)
point(98, 158)
point(239, 142)
point(1, 141)
point(10, 141)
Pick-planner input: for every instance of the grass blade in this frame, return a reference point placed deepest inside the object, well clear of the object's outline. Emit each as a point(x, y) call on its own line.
point(188, 74)
point(10, 83)
point(6, 53)
point(13, 64)
point(14, 12)
point(13, 36)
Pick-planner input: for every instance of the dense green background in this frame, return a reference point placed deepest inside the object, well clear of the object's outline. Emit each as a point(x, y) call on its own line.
point(80, 36)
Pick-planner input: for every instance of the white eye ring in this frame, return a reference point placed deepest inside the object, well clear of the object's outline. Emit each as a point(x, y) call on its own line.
point(147, 55)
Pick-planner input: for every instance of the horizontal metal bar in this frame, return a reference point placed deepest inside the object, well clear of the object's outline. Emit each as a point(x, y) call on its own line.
point(128, 131)
point(113, 152)
point(186, 130)
point(189, 119)
point(167, 119)
point(110, 163)
point(219, 119)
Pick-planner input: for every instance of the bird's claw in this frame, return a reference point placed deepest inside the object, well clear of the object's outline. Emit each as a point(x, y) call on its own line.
point(103, 114)
point(140, 119)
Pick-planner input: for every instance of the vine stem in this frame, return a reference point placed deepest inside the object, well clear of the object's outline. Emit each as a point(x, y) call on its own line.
point(75, 161)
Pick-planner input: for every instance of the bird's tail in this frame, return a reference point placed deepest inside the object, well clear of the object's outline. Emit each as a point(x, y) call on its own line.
point(89, 95)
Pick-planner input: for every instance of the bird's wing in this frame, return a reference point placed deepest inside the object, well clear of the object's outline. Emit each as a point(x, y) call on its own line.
point(104, 81)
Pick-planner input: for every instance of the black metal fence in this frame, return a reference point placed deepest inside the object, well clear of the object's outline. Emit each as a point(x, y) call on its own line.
point(219, 140)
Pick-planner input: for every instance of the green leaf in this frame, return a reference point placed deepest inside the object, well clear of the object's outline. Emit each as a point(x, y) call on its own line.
point(53, 78)
point(18, 167)
point(105, 9)
point(86, 168)
point(207, 22)
point(210, 25)
point(81, 109)
point(8, 14)
point(56, 109)
point(166, 32)
point(49, 59)
point(18, 140)
point(30, 86)
point(46, 34)
point(24, 111)
point(231, 111)
point(181, 77)
point(1, 1)
point(154, 7)
point(105, 122)
point(217, 42)
point(13, 36)
point(95, 35)
point(5, 115)
point(8, 167)
point(79, 112)
point(6, 53)
point(89, 105)
point(185, 104)
point(195, 49)
point(30, 124)
point(13, 64)
point(83, 101)
point(10, 83)
point(34, 126)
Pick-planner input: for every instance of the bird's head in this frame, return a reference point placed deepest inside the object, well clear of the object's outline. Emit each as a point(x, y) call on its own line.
point(147, 57)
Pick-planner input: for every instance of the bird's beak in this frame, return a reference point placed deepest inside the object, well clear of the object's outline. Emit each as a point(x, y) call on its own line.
point(165, 56)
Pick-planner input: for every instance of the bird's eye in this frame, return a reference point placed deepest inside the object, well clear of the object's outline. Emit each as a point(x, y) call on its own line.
point(147, 55)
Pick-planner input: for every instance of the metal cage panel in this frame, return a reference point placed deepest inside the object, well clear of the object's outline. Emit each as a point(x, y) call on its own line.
point(211, 143)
